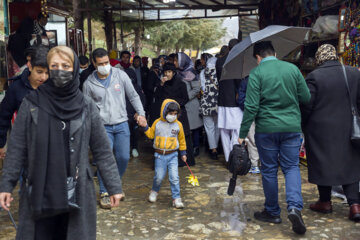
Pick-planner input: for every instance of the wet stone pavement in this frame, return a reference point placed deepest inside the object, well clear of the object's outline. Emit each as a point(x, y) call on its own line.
point(209, 212)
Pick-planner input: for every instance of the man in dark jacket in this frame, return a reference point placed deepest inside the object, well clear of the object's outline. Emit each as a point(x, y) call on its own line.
point(85, 74)
point(30, 80)
point(131, 112)
point(140, 72)
point(229, 113)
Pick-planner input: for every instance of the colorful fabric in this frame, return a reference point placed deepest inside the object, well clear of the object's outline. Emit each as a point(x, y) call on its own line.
point(209, 98)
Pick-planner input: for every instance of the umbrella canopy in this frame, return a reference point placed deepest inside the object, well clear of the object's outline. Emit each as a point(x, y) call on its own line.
point(240, 60)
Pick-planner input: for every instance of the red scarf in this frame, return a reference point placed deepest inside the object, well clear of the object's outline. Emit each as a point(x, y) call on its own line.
point(125, 65)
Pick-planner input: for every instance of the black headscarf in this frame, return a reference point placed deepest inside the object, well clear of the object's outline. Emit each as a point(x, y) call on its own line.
point(57, 107)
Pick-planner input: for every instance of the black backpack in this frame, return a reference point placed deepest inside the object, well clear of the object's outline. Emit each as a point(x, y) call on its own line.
point(239, 164)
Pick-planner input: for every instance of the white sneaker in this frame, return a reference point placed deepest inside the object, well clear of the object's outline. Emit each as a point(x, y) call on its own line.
point(254, 170)
point(135, 153)
point(153, 196)
point(177, 203)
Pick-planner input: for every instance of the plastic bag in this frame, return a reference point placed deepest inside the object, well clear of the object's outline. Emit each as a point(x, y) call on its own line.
point(326, 25)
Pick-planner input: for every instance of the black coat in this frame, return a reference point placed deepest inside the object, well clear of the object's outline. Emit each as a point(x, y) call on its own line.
point(174, 89)
point(149, 85)
point(12, 101)
point(227, 89)
point(326, 120)
point(85, 74)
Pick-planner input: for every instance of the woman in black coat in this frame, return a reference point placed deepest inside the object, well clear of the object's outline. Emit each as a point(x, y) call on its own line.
point(174, 89)
point(327, 120)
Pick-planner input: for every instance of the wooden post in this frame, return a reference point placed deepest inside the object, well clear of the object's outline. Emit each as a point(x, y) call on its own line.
point(240, 32)
point(115, 40)
point(89, 32)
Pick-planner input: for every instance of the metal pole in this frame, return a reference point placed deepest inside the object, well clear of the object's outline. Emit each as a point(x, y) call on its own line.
point(6, 18)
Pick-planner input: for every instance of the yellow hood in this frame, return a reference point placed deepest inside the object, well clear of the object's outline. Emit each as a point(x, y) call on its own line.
point(164, 106)
point(113, 54)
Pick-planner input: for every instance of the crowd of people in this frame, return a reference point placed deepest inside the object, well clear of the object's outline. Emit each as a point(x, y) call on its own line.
point(65, 104)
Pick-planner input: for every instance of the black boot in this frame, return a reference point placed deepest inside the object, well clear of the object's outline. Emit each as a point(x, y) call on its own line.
point(196, 151)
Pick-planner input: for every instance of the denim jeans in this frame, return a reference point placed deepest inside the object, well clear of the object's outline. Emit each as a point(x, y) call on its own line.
point(283, 149)
point(162, 163)
point(119, 136)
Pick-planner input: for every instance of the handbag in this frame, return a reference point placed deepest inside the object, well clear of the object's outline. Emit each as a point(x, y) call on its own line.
point(71, 191)
point(355, 128)
point(239, 164)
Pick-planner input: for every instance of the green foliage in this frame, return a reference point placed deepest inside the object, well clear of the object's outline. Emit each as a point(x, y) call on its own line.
point(147, 52)
point(190, 34)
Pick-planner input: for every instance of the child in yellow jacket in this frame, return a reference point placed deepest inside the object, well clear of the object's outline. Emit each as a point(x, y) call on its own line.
point(169, 137)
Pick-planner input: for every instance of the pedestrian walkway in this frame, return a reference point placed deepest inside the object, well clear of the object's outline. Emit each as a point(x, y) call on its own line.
point(209, 212)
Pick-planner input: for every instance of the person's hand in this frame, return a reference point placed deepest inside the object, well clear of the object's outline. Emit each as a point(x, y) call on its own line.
point(241, 140)
point(163, 80)
point(184, 158)
point(141, 121)
point(115, 200)
point(5, 200)
point(2, 153)
point(136, 116)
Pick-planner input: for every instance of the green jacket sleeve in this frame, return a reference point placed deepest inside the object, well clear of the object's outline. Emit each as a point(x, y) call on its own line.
point(252, 102)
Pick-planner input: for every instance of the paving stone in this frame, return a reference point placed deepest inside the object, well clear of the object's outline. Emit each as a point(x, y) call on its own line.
point(209, 212)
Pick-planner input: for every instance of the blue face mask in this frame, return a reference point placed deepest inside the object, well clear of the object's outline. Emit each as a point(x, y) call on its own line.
point(81, 70)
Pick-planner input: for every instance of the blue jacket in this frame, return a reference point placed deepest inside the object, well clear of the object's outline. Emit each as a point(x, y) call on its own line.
point(242, 92)
point(12, 101)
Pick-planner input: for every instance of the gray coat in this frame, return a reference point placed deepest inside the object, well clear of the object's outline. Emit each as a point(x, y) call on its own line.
point(193, 106)
point(21, 153)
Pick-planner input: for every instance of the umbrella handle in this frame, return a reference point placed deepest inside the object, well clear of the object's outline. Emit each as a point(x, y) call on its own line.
point(190, 169)
point(12, 219)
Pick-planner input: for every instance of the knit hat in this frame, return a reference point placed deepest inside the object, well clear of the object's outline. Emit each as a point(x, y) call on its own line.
point(325, 52)
point(169, 66)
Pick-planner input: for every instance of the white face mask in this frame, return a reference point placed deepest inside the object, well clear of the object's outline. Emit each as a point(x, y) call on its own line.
point(170, 118)
point(104, 70)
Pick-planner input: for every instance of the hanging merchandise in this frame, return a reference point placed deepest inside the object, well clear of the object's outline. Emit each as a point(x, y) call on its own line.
point(351, 38)
point(44, 8)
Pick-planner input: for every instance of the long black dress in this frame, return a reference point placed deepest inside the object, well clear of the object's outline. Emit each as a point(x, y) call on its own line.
point(175, 89)
point(326, 120)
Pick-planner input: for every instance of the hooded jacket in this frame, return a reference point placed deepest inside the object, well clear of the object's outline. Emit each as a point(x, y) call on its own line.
point(168, 136)
point(12, 101)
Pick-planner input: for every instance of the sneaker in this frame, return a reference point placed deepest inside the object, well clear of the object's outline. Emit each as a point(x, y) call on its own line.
point(264, 216)
point(254, 170)
point(105, 201)
point(153, 196)
point(135, 153)
point(214, 155)
point(177, 203)
point(298, 224)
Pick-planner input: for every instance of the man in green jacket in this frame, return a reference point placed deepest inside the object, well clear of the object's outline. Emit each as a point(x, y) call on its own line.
point(275, 90)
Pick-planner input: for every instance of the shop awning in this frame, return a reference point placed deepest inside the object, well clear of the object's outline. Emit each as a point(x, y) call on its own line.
point(158, 10)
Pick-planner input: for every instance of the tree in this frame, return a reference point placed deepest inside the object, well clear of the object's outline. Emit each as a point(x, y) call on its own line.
point(187, 34)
